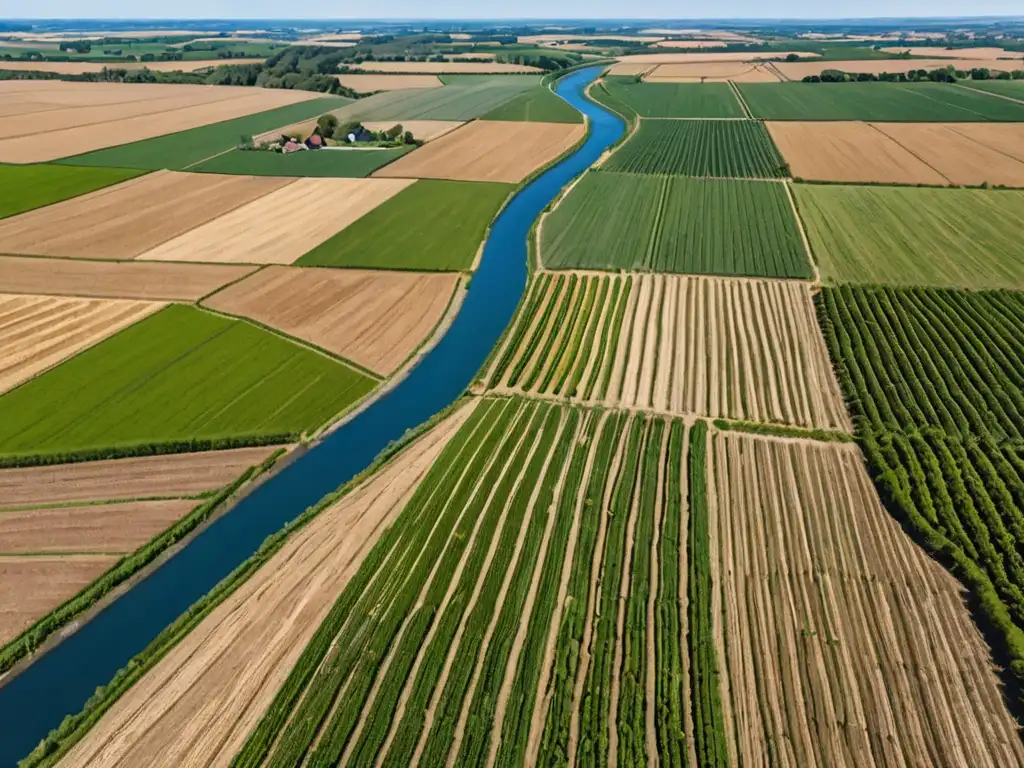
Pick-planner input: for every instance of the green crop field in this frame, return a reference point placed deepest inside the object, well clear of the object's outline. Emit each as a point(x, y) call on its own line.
point(675, 224)
point(968, 238)
point(538, 105)
point(676, 99)
point(25, 187)
point(1012, 88)
point(177, 151)
point(892, 102)
point(353, 163)
point(723, 148)
point(431, 225)
point(178, 375)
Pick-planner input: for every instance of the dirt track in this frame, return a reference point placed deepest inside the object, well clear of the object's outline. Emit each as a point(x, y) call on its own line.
point(375, 318)
point(194, 708)
point(38, 332)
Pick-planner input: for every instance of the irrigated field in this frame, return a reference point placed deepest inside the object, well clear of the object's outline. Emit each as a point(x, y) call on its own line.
point(23, 188)
point(281, 226)
point(374, 318)
point(488, 151)
point(432, 225)
point(890, 102)
point(740, 349)
point(675, 224)
point(841, 643)
point(676, 99)
point(537, 105)
point(38, 332)
point(936, 237)
point(113, 280)
point(179, 375)
point(715, 148)
point(125, 220)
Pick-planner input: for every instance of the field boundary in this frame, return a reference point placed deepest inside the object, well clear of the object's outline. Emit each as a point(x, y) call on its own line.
point(739, 97)
point(803, 234)
point(990, 93)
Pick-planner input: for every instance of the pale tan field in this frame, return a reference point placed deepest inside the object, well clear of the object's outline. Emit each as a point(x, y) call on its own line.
point(424, 130)
point(106, 279)
point(1007, 138)
point(691, 44)
point(370, 83)
point(939, 52)
point(848, 151)
point(961, 159)
point(280, 227)
point(125, 220)
point(375, 318)
point(556, 38)
point(38, 332)
point(337, 37)
point(735, 348)
point(624, 62)
point(797, 70)
point(487, 151)
point(193, 707)
point(444, 67)
point(31, 587)
point(841, 642)
point(83, 67)
point(99, 528)
point(721, 34)
point(183, 474)
point(95, 123)
point(739, 71)
point(630, 69)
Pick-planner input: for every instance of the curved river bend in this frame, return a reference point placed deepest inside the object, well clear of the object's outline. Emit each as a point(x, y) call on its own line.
point(59, 682)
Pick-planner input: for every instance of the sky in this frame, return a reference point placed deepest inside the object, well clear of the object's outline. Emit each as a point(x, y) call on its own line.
point(534, 9)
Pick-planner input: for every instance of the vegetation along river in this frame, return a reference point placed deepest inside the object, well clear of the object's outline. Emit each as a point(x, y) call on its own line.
point(59, 682)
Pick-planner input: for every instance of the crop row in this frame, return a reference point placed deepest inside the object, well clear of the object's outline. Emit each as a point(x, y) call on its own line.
point(674, 99)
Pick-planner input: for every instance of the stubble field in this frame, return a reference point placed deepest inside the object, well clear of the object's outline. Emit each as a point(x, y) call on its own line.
point(710, 72)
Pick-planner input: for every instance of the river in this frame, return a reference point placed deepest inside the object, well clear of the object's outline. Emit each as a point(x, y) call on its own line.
point(59, 682)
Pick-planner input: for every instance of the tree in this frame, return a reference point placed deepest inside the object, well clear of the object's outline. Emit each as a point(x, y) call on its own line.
point(394, 131)
point(409, 138)
point(327, 124)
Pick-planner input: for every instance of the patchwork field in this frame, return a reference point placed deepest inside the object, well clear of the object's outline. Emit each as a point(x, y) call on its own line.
point(23, 188)
point(179, 375)
point(888, 102)
point(537, 105)
point(112, 280)
point(38, 332)
point(676, 99)
point(371, 83)
point(707, 148)
point(797, 70)
point(850, 151)
point(334, 163)
point(82, 117)
point(84, 67)
point(737, 71)
point(488, 151)
point(829, 613)
point(376, 319)
point(740, 349)
point(905, 236)
point(432, 225)
point(626, 63)
point(123, 221)
point(260, 233)
point(675, 224)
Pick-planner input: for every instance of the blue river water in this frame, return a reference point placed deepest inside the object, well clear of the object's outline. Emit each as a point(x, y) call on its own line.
point(60, 682)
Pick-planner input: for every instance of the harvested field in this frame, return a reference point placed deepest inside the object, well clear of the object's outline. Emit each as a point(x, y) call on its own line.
point(849, 151)
point(843, 644)
point(263, 628)
point(651, 59)
point(105, 279)
point(371, 83)
point(376, 319)
point(108, 529)
point(691, 44)
point(26, 187)
point(173, 475)
point(258, 233)
point(445, 67)
point(960, 158)
point(84, 67)
point(488, 151)
point(1006, 138)
point(38, 332)
point(967, 238)
point(739, 349)
point(738, 71)
point(82, 117)
point(125, 220)
point(797, 70)
point(31, 587)
point(938, 52)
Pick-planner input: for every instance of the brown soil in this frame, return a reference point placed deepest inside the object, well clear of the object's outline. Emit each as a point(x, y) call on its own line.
point(258, 233)
point(104, 528)
point(127, 219)
point(134, 280)
point(31, 587)
point(487, 151)
point(848, 151)
point(194, 707)
point(376, 318)
point(183, 474)
point(371, 83)
point(38, 332)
